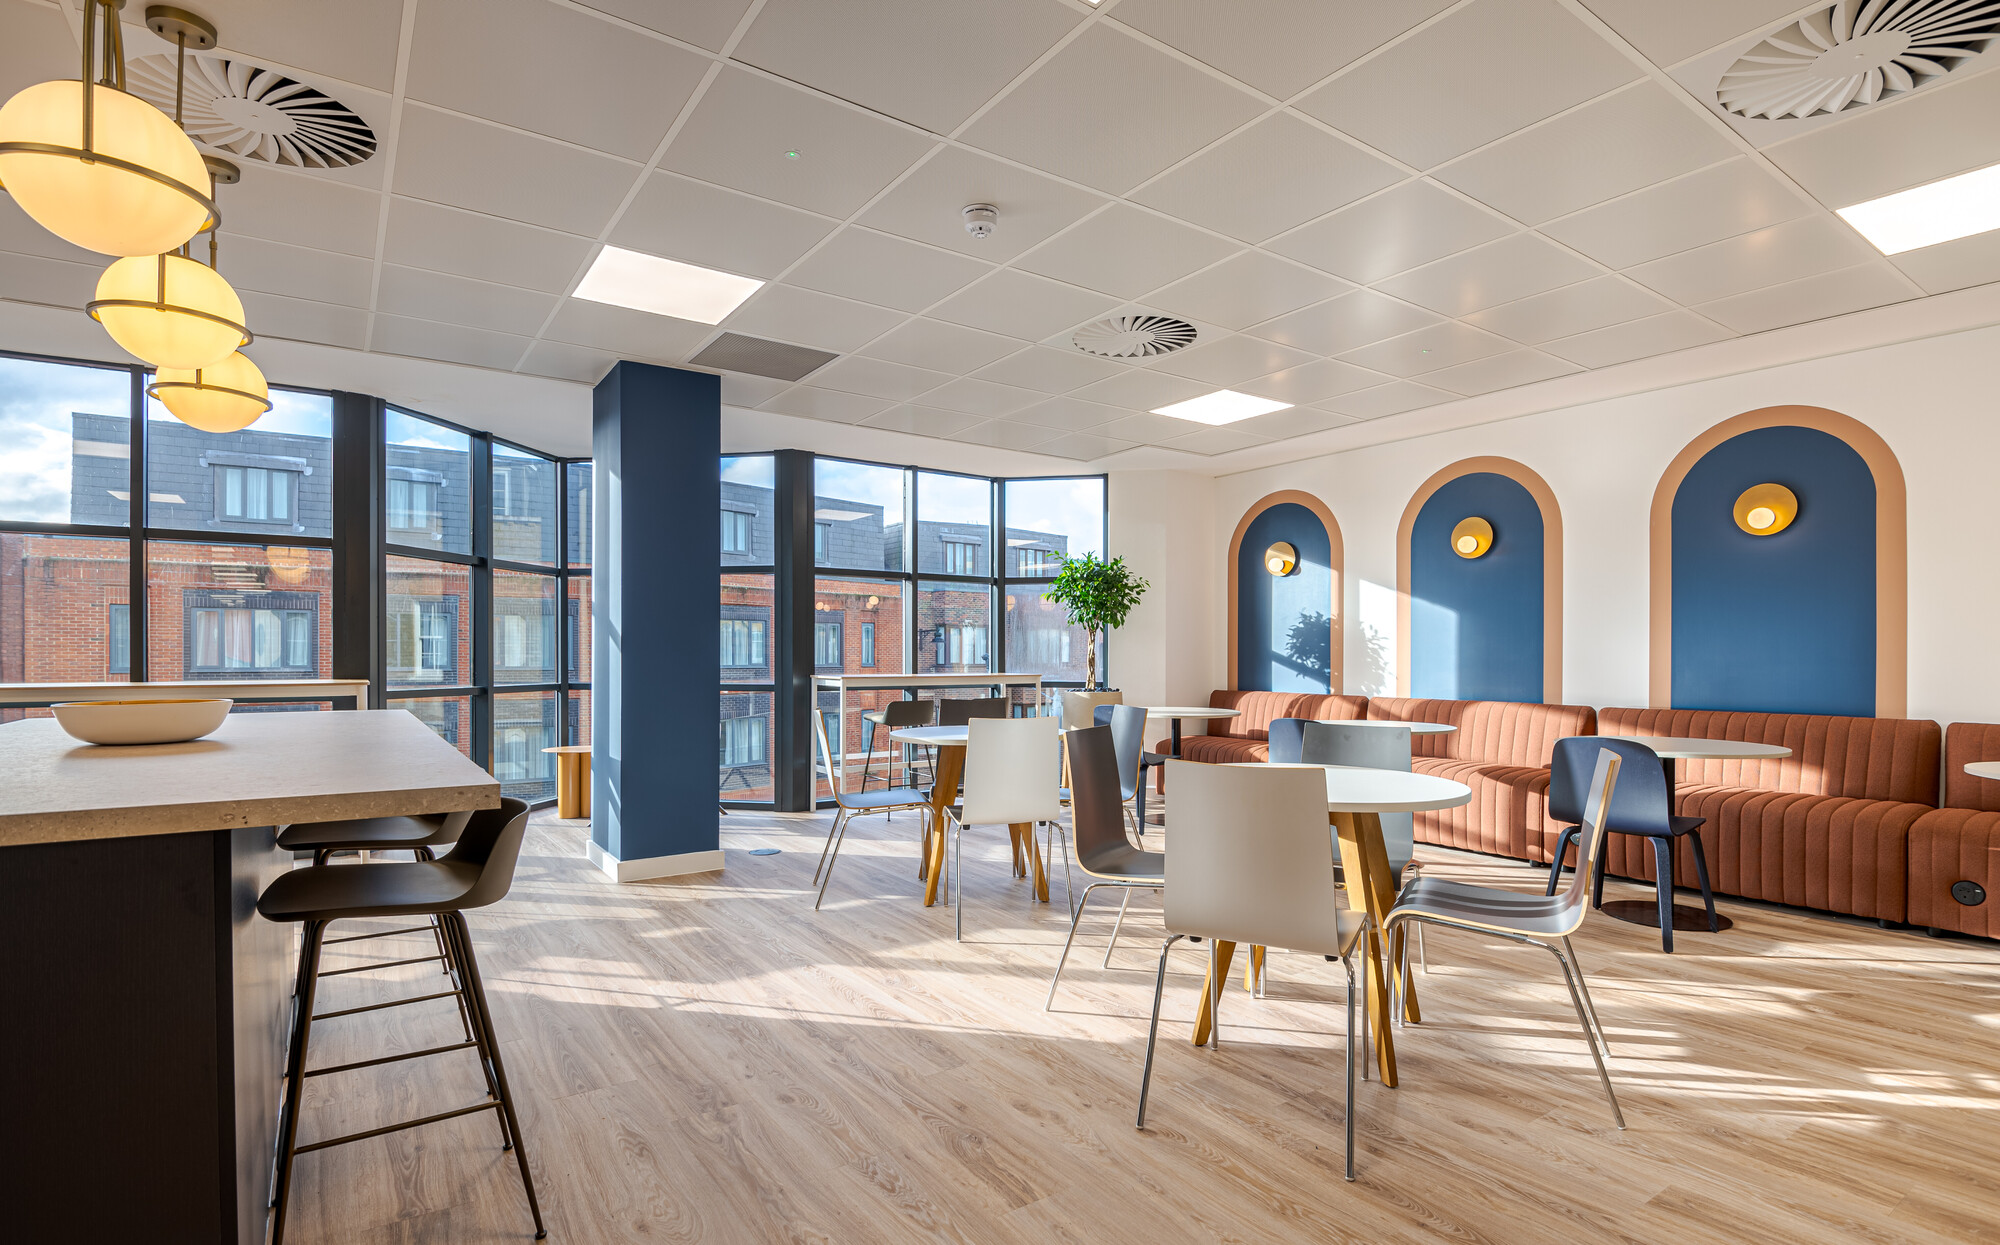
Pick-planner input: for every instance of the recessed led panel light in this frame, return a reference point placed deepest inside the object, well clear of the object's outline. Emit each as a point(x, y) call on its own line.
point(1956, 207)
point(664, 287)
point(1224, 406)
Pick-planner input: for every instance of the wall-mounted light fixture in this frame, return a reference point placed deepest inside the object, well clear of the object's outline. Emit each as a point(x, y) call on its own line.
point(1766, 509)
point(1281, 559)
point(1472, 538)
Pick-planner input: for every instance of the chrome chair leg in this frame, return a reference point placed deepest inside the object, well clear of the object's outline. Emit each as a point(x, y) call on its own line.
point(1423, 961)
point(957, 882)
point(839, 819)
point(1153, 1030)
point(1116, 926)
point(1214, 988)
point(1067, 942)
point(1589, 1004)
point(1589, 1035)
point(840, 824)
point(1349, 966)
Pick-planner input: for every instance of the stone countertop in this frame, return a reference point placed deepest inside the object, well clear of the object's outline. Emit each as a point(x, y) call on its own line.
point(258, 769)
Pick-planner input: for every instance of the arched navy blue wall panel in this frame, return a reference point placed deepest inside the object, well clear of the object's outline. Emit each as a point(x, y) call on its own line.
point(1476, 623)
point(1284, 636)
point(1784, 623)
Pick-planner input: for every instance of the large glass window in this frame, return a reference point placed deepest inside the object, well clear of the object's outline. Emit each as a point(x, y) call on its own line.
point(65, 443)
point(858, 515)
point(429, 632)
point(64, 612)
point(1047, 521)
point(748, 490)
point(582, 516)
point(273, 478)
point(524, 506)
point(954, 524)
point(428, 492)
point(238, 611)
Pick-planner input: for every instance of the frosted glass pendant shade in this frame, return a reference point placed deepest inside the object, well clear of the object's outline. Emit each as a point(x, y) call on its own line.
point(170, 311)
point(226, 397)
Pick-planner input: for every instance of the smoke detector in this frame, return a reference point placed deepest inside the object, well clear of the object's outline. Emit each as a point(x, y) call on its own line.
point(1851, 55)
point(1133, 337)
point(256, 113)
point(980, 218)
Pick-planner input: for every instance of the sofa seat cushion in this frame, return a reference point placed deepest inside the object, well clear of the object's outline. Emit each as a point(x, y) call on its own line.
point(1791, 847)
point(1255, 711)
point(1221, 750)
point(1508, 815)
point(1947, 846)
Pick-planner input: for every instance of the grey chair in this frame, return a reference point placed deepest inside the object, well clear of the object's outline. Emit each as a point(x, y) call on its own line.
point(1096, 812)
point(894, 716)
point(959, 712)
point(1537, 920)
point(1287, 739)
point(1128, 735)
point(830, 768)
point(1368, 747)
point(1640, 807)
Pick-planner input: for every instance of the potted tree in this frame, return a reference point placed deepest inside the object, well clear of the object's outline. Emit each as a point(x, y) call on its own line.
point(1098, 594)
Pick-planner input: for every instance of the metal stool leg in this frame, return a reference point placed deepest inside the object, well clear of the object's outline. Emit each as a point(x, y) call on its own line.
point(477, 994)
point(295, 1077)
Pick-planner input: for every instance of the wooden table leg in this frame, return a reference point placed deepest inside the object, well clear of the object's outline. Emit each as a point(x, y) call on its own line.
point(1225, 952)
point(1253, 969)
point(572, 785)
point(1025, 832)
point(1362, 853)
point(950, 767)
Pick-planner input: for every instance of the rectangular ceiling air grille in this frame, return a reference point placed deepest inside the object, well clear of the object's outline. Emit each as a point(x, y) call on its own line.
point(733, 352)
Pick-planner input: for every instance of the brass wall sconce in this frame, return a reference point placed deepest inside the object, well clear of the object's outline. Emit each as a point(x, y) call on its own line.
point(1766, 509)
point(1472, 538)
point(1281, 559)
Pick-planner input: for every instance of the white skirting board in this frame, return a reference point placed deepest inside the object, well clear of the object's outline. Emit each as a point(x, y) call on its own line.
point(654, 866)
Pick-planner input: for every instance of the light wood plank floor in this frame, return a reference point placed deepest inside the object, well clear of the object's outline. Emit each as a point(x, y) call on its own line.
point(710, 1060)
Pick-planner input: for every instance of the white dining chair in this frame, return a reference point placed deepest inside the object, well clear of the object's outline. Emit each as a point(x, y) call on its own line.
point(1538, 920)
point(848, 803)
point(1251, 862)
point(1012, 768)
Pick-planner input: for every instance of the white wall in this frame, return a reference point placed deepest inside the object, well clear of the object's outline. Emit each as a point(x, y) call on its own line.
point(1935, 401)
point(1163, 523)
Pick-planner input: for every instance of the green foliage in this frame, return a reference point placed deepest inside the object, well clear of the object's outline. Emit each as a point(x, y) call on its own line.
point(1098, 594)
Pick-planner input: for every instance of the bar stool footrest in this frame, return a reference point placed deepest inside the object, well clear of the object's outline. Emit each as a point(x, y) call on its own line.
point(412, 929)
point(376, 1007)
point(369, 1063)
point(364, 968)
point(386, 1129)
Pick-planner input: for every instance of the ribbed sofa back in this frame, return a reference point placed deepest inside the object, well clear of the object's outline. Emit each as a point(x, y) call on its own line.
point(1497, 732)
point(1859, 758)
point(1257, 710)
point(1965, 742)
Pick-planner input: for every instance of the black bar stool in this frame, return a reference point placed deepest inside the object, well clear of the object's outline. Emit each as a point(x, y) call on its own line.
point(476, 872)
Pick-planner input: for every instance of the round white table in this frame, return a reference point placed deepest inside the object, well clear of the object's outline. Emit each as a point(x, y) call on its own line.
point(1984, 769)
point(1187, 713)
point(1673, 748)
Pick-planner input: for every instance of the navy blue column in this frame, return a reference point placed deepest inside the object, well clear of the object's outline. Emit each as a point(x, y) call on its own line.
point(656, 438)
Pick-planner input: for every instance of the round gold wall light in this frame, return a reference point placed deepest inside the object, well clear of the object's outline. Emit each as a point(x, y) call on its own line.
point(1281, 559)
point(1472, 538)
point(1766, 509)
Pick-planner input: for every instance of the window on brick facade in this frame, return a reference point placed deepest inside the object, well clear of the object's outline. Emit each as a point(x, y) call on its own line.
point(742, 642)
point(735, 532)
point(226, 634)
point(827, 645)
point(422, 641)
point(742, 741)
point(961, 557)
point(822, 537)
point(256, 494)
point(867, 644)
point(961, 645)
point(120, 639)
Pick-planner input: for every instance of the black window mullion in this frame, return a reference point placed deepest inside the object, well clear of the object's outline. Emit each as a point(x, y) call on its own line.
point(481, 453)
point(135, 537)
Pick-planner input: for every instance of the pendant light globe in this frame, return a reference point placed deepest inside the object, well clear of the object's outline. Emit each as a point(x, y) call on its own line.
point(170, 311)
point(225, 397)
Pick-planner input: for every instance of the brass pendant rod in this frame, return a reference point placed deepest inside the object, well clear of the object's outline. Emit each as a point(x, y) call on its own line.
point(180, 76)
point(89, 89)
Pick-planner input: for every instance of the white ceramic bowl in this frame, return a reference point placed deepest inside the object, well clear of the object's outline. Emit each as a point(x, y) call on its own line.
point(141, 721)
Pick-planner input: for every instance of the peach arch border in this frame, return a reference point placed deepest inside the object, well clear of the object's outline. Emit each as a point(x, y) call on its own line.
point(1337, 554)
point(1552, 564)
point(1892, 559)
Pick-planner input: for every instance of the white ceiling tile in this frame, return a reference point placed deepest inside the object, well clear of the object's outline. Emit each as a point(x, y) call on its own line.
point(607, 89)
point(1021, 305)
point(809, 318)
point(354, 41)
point(1050, 369)
point(830, 404)
point(448, 159)
point(745, 123)
point(1570, 310)
point(984, 398)
point(929, 204)
point(632, 334)
point(300, 209)
point(1247, 289)
point(923, 421)
point(1002, 434)
point(1141, 390)
point(1814, 298)
point(878, 378)
point(297, 319)
point(1667, 33)
point(1313, 382)
point(1426, 350)
point(1084, 446)
point(585, 366)
point(459, 300)
point(1716, 203)
point(1279, 173)
point(1346, 322)
point(1479, 73)
point(1281, 47)
point(39, 46)
point(449, 343)
point(1391, 399)
point(1927, 135)
point(867, 52)
point(296, 271)
point(1499, 272)
point(889, 272)
point(1149, 427)
point(742, 389)
point(1783, 252)
point(707, 23)
point(424, 235)
point(1110, 112)
point(1638, 339)
point(1500, 371)
point(1953, 265)
point(1125, 252)
point(697, 223)
point(1072, 414)
point(55, 282)
point(1396, 230)
point(943, 347)
point(1215, 441)
point(1607, 148)
point(1229, 360)
point(20, 234)
point(1296, 422)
